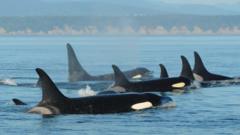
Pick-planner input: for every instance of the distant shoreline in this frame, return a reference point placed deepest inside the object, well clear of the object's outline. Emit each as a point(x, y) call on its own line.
point(162, 25)
point(124, 31)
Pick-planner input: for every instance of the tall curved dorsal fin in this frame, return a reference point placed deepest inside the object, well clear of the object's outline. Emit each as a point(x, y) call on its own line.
point(75, 70)
point(119, 77)
point(199, 67)
point(50, 92)
point(201, 72)
point(164, 73)
point(186, 69)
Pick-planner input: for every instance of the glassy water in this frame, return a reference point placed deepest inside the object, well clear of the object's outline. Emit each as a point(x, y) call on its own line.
point(201, 111)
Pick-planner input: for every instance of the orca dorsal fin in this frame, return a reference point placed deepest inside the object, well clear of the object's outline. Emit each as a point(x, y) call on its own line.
point(164, 73)
point(50, 92)
point(75, 70)
point(119, 77)
point(201, 72)
point(199, 67)
point(18, 102)
point(186, 69)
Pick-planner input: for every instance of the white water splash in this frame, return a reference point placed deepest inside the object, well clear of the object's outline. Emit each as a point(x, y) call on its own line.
point(195, 85)
point(85, 92)
point(8, 82)
point(230, 82)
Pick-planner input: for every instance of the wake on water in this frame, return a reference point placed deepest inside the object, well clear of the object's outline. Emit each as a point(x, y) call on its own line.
point(209, 84)
point(8, 81)
point(235, 81)
point(85, 92)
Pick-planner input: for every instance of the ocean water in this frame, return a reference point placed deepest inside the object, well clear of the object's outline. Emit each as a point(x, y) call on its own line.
point(200, 111)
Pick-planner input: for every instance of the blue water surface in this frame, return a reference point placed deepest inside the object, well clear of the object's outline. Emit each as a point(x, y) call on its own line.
point(201, 111)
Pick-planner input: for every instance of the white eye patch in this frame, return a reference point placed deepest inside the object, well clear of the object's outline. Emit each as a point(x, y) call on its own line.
point(178, 85)
point(137, 76)
point(142, 105)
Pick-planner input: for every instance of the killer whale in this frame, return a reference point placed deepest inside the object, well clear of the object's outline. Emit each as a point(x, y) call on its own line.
point(77, 73)
point(188, 73)
point(201, 73)
point(157, 85)
point(163, 71)
point(54, 102)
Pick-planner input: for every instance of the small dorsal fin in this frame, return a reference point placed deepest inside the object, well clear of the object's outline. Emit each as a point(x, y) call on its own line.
point(50, 92)
point(75, 70)
point(164, 73)
point(186, 69)
point(18, 102)
point(199, 67)
point(119, 77)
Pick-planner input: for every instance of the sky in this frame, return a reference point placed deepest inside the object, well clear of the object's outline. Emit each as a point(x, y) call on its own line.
point(211, 2)
point(122, 7)
point(205, 2)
